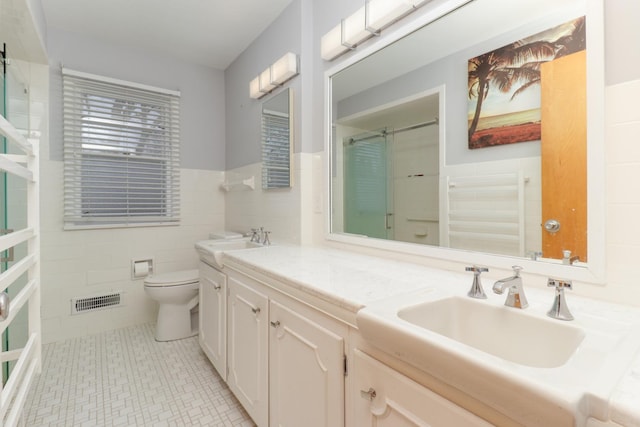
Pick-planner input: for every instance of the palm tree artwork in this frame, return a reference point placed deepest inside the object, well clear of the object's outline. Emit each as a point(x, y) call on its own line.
point(504, 85)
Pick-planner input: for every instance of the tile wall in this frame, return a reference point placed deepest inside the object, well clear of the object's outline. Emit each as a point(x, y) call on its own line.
point(83, 263)
point(278, 210)
point(623, 192)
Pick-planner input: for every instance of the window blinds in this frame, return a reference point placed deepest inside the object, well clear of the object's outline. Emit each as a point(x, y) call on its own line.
point(121, 153)
point(276, 150)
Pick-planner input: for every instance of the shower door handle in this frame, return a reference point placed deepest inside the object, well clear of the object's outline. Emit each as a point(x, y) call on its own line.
point(387, 221)
point(9, 251)
point(4, 306)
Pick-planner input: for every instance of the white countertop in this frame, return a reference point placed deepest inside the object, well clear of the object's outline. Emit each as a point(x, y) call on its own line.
point(346, 279)
point(351, 281)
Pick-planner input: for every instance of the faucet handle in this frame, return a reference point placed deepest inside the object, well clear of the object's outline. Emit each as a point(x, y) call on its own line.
point(476, 290)
point(266, 240)
point(559, 284)
point(516, 270)
point(559, 309)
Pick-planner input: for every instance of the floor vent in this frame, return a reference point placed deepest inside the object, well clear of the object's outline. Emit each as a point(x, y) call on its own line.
point(98, 302)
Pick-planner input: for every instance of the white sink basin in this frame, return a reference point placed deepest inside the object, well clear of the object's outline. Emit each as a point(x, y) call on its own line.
point(211, 251)
point(503, 332)
point(534, 369)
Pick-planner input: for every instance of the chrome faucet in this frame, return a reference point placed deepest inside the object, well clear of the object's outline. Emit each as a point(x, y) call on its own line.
point(515, 297)
point(476, 290)
point(559, 309)
point(254, 235)
point(260, 235)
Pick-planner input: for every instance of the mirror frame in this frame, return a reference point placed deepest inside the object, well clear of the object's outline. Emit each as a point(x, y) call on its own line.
point(595, 270)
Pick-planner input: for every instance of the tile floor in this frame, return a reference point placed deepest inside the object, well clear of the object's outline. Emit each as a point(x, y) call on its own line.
point(126, 378)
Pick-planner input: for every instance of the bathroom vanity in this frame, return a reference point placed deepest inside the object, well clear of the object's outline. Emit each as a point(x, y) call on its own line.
point(295, 354)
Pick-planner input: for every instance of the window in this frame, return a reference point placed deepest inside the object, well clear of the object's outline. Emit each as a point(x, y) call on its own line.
point(121, 153)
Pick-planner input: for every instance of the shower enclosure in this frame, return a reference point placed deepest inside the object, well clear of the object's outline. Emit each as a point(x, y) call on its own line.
point(19, 242)
point(13, 189)
point(368, 189)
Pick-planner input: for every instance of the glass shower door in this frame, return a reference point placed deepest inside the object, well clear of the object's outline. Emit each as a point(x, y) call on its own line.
point(13, 214)
point(367, 189)
point(4, 256)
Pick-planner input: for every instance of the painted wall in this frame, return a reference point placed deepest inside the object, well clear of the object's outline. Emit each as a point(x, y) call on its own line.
point(280, 210)
point(83, 263)
point(243, 114)
point(202, 90)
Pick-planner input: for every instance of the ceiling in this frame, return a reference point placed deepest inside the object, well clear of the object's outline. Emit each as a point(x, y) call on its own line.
point(206, 32)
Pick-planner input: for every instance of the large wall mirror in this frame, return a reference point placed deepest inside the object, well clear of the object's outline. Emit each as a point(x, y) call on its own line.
point(476, 137)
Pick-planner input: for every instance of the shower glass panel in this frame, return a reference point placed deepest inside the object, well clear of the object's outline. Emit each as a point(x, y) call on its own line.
point(367, 185)
point(13, 196)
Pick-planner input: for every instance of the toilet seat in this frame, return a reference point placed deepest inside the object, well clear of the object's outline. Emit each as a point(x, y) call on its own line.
point(175, 278)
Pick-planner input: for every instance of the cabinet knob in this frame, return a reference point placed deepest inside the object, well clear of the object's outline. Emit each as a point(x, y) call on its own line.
point(216, 287)
point(256, 310)
point(369, 394)
point(275, 324)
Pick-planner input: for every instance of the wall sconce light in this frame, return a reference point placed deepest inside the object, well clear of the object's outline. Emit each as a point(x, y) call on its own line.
point(275, 75)
point(366, 22)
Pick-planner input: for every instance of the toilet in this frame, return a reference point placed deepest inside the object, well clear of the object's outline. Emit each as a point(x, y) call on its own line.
point(177, 294)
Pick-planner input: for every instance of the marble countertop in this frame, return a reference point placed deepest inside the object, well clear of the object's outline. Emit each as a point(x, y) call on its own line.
point(351, 280)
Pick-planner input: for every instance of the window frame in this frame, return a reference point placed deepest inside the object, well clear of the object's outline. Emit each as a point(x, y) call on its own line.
point(121, 153)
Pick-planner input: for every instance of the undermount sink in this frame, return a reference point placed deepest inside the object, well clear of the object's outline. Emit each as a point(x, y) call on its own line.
point(503, 332)
point(211, 251)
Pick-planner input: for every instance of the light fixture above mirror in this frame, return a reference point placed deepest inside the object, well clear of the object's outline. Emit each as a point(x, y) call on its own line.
point(274, 76)
point(366, 22)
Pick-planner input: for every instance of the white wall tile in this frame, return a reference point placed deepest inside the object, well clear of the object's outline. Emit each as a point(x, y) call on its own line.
point(278, 211)
point(87, 262)
point(621, 103)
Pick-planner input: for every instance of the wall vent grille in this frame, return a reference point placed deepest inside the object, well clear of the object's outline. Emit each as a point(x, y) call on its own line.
point(98, 302)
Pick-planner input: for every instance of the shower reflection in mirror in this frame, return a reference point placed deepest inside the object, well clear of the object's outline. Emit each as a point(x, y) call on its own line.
point(390, 175)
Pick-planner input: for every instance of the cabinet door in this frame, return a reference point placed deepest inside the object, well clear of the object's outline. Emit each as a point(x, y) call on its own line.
point(386, 398)
point(213, 317)
point(306, 372)
point(247, 349)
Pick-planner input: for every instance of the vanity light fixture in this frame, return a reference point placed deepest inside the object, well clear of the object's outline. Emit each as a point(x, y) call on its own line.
point(366, 22)
point(266, 81)
point(274, 76)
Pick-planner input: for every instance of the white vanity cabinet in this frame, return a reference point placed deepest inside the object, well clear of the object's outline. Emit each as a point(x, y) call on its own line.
point(386, 398)
point(247, 353)
point(306, 367)
point(286, 359)
point(213, 317)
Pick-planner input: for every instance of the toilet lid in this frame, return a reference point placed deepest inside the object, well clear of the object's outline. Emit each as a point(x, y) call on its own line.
point(175, 278)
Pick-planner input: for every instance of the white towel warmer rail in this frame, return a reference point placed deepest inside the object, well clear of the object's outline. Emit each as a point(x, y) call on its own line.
point(486, 212)
point(27, 359)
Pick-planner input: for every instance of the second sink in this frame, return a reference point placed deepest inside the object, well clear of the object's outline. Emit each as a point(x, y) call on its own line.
point(501, 331)
point(211, 251)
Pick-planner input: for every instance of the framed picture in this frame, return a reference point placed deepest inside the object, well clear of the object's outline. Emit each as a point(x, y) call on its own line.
point(504, 85)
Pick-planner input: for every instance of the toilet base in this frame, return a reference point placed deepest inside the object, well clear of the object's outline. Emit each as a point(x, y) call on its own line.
point(176, 322)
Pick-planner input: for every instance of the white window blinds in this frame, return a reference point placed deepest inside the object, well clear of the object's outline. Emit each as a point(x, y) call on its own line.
point(121, 153)
point(276, 150)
